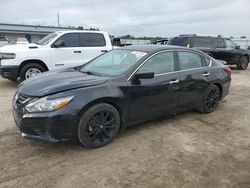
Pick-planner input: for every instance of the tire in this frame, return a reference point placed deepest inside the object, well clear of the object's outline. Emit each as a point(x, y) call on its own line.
point(98, 126)
point(243, 63)
point(210, 100)
point(28, 68)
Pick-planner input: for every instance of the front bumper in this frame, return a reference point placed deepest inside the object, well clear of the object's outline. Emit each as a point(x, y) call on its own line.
point(55, 126)
point(9, 72)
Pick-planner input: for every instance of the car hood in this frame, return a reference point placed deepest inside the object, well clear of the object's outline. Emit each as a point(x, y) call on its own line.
point(57, 81)
point(18, 47)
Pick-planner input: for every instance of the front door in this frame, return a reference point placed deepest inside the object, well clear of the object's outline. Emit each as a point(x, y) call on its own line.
point(69, 55)
point(158, 96)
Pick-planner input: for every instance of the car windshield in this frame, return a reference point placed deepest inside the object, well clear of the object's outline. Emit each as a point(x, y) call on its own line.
point(113, 63)
point(45, 40)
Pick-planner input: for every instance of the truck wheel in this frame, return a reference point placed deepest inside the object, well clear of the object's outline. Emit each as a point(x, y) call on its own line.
point(30, 70)
point(243, 64)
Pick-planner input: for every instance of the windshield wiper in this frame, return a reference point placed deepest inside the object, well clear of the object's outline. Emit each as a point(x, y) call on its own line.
point(87, 72)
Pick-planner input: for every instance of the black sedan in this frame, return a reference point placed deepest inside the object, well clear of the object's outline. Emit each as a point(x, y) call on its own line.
point(120, 88)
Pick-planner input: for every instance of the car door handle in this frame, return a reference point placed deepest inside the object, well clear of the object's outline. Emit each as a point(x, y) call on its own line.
point(174, 82)
point(205, 74)
point(77, 52)
point(104, 51)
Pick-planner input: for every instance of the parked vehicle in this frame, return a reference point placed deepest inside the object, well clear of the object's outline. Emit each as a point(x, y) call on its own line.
point(3, 40)
point(22, 41)
point(57, 50)
point(163, 41)
point(216, 47)
point(118, 89)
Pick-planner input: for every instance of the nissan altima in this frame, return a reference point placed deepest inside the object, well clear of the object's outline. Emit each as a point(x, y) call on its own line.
point(120, 88)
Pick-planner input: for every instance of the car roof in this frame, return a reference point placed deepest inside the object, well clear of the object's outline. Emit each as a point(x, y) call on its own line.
point(153, 48)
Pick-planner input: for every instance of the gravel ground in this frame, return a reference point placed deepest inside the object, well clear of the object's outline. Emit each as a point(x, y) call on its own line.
point(187, 150)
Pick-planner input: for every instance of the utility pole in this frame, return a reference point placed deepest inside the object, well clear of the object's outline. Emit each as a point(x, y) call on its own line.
point(58, 20)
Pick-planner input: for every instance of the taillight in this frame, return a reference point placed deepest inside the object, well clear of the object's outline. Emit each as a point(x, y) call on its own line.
point(228, 71)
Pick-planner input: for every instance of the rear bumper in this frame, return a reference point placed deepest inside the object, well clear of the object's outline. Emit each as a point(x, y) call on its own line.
point(9, 72)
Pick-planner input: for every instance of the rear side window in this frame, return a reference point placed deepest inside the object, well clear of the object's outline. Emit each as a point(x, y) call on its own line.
point(220, 43)
point(179, 41)
point(160, 63)
point(206, 61)
point(93, 40)
point(71, 40)
point(204, 42)
point(189, 60)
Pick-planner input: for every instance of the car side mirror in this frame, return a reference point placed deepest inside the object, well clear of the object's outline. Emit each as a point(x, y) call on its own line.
point(237, 47)
point(248, 47)
point(59, 44)
point(142, 75)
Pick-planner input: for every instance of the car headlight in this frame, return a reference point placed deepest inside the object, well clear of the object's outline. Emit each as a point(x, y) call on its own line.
point(7, 56)
point(48, 105)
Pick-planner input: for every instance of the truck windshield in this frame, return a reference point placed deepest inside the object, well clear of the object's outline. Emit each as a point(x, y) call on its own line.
point(113, 63)
point(45, 40)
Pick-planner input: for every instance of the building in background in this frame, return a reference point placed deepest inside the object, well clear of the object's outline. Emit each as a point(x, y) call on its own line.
point(32, 33)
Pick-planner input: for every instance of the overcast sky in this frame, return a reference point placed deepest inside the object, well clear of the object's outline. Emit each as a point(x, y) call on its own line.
point(135, 17)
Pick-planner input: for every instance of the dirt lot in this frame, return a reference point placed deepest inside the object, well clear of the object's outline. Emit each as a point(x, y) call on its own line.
point(188, 150)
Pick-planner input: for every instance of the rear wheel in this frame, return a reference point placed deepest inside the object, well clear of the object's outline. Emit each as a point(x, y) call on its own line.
point(30, 70)
point(210, 99)
point(98, 126)
point(243, 64)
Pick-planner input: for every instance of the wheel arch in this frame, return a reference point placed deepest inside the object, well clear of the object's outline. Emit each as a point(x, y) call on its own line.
point(220, 88)
point(108, 100)
point(246, 55)
point(40, 62)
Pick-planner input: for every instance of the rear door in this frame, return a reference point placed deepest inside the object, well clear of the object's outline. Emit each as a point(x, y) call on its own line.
point(194, 77)
point(94, 45)
point(70, 55)
point(157, 96)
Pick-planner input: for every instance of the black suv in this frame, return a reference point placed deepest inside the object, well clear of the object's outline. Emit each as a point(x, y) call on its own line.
point(216, 47)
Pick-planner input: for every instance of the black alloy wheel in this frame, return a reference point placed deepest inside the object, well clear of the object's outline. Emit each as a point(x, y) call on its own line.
point(211, 99)
point(98, 126)
point(243, 64)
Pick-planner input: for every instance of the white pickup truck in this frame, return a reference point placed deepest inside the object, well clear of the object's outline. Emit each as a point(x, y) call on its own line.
point(60, 49)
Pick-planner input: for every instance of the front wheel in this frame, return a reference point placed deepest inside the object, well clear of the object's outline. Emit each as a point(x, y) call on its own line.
point(210, 99)
point(243, 64)
point(98, 126)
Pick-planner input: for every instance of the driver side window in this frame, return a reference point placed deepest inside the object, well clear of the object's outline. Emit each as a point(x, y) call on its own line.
point(230, 44)
point(70, 40)
point(159, 64)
